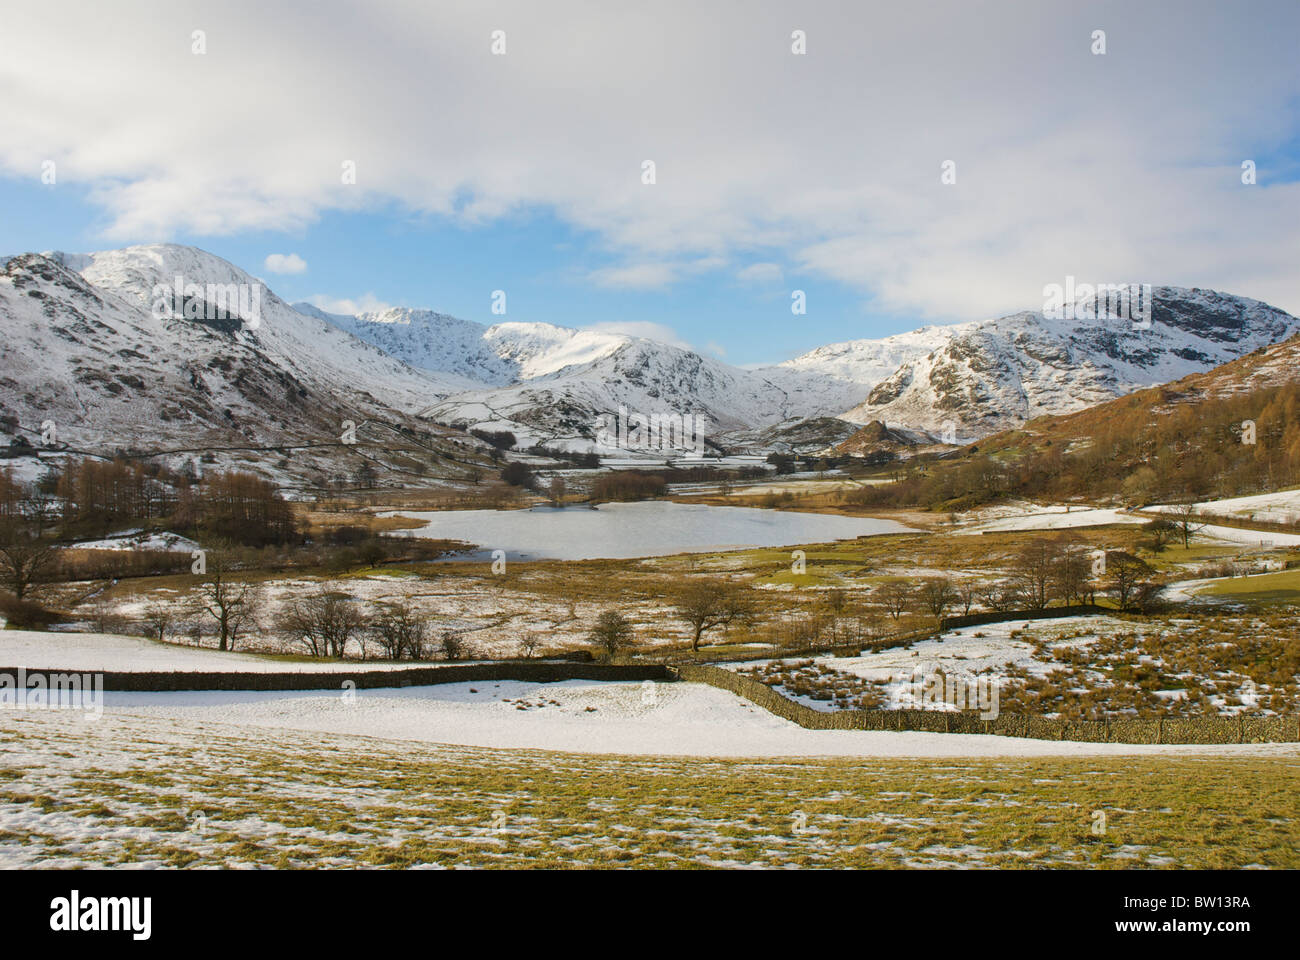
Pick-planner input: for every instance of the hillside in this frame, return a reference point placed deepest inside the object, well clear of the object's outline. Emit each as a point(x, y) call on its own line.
point(996, 374)
point(1229, 431)
point(87, 353)
point(87, 349)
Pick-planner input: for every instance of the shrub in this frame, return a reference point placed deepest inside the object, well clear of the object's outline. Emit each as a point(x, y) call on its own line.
point(517, 474)
point(26, 614)
point(628, 485)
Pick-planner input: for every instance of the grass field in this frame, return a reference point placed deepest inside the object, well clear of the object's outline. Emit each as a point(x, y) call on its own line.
point(134, 791)
point(1280, 587)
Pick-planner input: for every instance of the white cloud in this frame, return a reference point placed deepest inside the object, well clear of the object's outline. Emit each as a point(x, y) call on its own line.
point(659, 332)
point(644, 276)
point(285, 263)
point(761, 275)
point(366, 303)
point(1118, 167)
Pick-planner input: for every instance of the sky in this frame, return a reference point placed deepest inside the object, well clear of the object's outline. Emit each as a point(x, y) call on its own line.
point(933, 164)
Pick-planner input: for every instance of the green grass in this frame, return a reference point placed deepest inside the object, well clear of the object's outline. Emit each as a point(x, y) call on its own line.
point(286, 799)
point(1283, 586)
point(1176, 555)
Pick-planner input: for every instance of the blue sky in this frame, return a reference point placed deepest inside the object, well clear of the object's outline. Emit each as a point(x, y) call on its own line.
point(544, 265)
point(225, 125)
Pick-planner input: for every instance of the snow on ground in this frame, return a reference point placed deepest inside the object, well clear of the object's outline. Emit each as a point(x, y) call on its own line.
point(962, 650)
point(1059, 517)
point(745, 488)
point(1282, 506)
point(1034, 517)
point(665, 719)
point(669, 719)
point(138, 540)
point(1251, 538)
point(1186, 591)
point(491, 621)
point(92, 652)
point(968, 650)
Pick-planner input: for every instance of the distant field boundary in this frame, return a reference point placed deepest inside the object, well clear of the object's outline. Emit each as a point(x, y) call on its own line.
point(784, 653)
point(551, 671)
point(1006, 616)
point(886, 641)
point(1163, 730)
point(1231, 520)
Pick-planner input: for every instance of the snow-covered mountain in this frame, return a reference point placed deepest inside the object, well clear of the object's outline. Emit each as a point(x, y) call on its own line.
point(994, 374)
point(498, 355)
point(552, 385)
point(641, 377)
point(88, 347)
point(839, 376)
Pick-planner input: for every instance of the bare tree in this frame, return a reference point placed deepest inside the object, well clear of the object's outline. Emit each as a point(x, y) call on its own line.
point(705, 604)
point(1001, 597)
point(231, 603)
point(894, 596)
point(104, 618)
point(1034, 570)
point(159, 619)
point(611, 632)
point(26, 558)
point(936, 595)
point(1160, 532)
point(1126, 574)
point(40, 510)
point(1147, 596)
point(836, 601)
point(557, 490)
point(323, 622)
point(530, 642)
point(1071, 573)
point(968, 593)
point(400, 631)
point(454, 646)
point(1186, 521)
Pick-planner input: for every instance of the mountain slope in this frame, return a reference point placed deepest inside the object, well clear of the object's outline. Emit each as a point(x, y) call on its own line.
point(499, 355)
point(88, 352)
point(565, 408)
point(87, 348)
point(999, 373)
point(1245, 379)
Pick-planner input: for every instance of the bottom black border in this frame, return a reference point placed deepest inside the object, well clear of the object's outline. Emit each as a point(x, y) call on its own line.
point(836, 909)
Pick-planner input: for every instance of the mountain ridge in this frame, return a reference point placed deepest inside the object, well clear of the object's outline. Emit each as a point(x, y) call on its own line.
point(551, 384)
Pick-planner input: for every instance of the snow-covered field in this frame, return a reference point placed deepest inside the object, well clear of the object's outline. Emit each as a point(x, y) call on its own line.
point(91, 652)
point(671, 719)
point(969, 650)
point(139, 540)
point(493, 622)
point(1029, 516)
point(634, 719)
point(585, 717)
point(1057, 517)
point(1280, 507)
point(139, 791)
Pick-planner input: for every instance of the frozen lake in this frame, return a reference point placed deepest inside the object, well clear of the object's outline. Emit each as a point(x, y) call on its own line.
point(653, 528)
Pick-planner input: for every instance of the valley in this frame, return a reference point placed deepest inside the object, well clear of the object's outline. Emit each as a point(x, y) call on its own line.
point(1067, 517)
